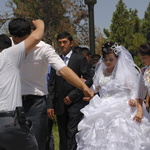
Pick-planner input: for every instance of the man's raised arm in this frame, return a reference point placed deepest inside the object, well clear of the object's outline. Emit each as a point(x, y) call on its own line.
point(35, 37)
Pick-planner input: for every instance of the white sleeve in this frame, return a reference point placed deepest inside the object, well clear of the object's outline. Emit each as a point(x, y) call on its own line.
point(53, 58)
point(142, 89)
point(16, 53)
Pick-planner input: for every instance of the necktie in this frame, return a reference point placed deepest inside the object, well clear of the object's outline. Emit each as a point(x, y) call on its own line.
point(65, 60)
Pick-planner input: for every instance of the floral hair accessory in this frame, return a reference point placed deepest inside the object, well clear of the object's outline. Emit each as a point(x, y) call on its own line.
point(115, 49)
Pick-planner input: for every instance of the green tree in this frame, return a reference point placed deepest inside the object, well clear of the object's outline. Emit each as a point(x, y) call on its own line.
point(138, 39)
point(78, 14)
point(58, 15)
point(125, 23)
point(126, 29)
point(51, 12)
point(132, 27)
point(118, 28)
point(145, 27)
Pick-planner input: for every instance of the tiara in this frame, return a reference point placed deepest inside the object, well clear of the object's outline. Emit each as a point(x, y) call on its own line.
point(113, 48)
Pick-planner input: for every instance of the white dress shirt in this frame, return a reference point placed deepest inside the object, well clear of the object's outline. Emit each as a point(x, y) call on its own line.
point(10, 86)
point(67, 57)
point(33, 69)
point(142, 90)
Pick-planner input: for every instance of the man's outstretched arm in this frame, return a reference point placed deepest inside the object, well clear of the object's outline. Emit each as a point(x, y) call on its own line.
point(73, 79)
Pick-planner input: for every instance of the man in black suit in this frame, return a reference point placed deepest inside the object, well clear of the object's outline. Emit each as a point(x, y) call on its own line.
point(67, 100)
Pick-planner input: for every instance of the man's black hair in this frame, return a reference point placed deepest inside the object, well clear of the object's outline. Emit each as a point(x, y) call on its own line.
point(19, 27)
point(85, 50)
point(63, 35)
point(95, 57)
point(5, 42)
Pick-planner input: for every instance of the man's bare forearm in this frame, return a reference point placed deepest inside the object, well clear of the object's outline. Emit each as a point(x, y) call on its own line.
point(73, 79)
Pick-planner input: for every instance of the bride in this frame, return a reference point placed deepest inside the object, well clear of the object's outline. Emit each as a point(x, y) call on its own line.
point(108, 119)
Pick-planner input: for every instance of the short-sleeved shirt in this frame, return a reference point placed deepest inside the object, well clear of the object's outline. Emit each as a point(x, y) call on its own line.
point(142, 90)
point(34, 69)
point(10, 86)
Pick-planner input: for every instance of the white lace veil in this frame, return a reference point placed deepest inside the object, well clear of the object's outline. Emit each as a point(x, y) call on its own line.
point(124, 75)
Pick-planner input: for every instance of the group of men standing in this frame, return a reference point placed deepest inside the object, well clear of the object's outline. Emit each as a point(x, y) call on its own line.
point(65, 92)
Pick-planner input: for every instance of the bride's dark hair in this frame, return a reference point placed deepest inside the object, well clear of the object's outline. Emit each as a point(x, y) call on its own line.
point(109, 47)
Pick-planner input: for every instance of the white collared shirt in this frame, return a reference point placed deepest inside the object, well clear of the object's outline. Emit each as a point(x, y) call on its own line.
point(10, 86)
point(33, 69)
point(67, 57)
point(142, 89)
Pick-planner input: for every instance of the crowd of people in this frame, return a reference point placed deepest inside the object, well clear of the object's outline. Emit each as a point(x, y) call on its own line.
point(99, 101)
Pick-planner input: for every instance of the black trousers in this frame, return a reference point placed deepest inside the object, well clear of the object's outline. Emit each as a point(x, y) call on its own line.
point(50, 138)
point(36, 111)
point(16, 137)
point(67, 126)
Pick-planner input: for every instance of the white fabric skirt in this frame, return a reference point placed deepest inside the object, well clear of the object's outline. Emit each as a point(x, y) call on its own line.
point(108, 125)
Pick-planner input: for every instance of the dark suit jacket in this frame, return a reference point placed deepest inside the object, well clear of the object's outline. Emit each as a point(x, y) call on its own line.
point(59, 88)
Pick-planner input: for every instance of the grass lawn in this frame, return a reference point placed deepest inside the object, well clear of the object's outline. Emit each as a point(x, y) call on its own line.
point(56, 136)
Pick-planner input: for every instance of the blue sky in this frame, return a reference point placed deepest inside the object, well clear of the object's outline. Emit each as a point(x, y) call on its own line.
point(103, 10)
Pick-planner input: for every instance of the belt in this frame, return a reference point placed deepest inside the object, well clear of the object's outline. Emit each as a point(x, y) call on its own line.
point(7, 114)
point(30, 97)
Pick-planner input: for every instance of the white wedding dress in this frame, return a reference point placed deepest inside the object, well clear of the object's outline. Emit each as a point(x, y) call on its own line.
point(108, 122)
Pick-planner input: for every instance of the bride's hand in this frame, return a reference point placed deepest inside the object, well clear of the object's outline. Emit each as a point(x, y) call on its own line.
point(132, 103)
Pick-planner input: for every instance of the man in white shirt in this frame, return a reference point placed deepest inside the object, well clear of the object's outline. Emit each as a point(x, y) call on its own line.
point(14, 128)
point(33, 78)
